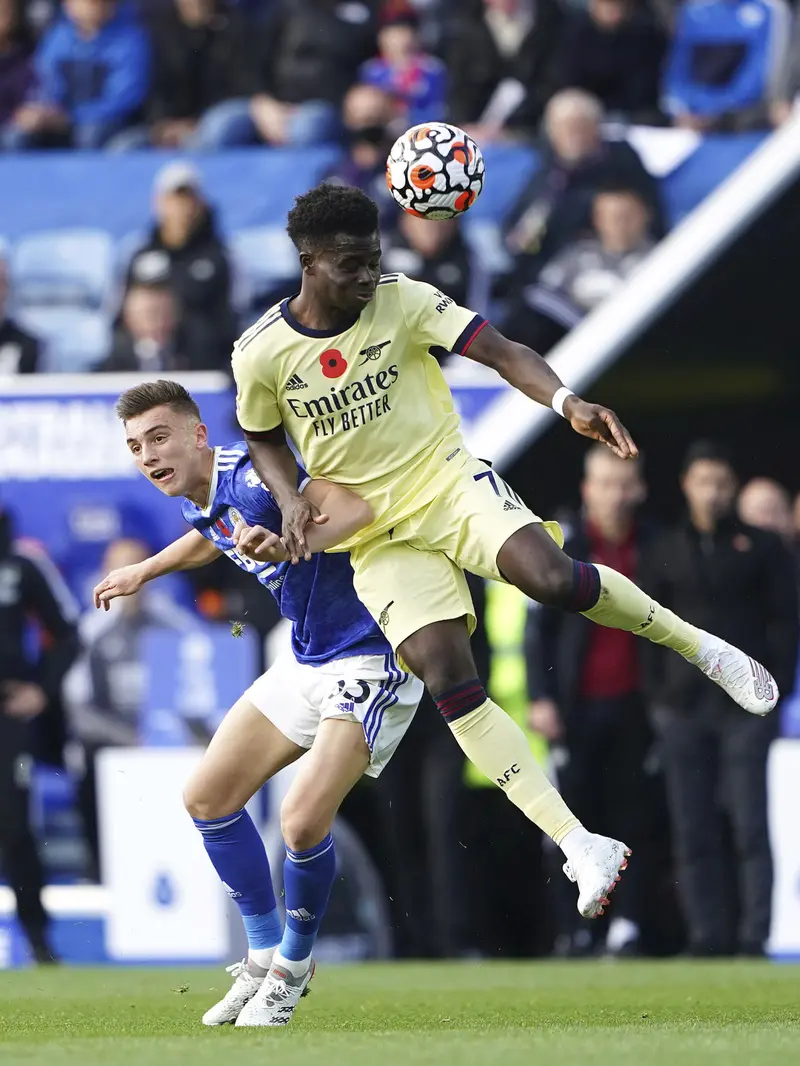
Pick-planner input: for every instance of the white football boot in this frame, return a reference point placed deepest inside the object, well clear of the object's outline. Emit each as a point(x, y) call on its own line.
point(275, 1001)
point(244, 987)
point(746, 681)
point(596, 869)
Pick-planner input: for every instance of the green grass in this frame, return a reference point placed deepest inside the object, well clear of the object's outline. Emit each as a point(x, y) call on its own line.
point(503, 1014)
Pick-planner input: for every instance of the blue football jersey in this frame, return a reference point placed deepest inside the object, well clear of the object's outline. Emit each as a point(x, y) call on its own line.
point(328, 619)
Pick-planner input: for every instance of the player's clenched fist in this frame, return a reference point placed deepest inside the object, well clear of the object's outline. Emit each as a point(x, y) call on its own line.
point(123, 582)
point(600, 423)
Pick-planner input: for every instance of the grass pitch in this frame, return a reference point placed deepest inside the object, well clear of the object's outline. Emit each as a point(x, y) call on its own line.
point(566, 1014)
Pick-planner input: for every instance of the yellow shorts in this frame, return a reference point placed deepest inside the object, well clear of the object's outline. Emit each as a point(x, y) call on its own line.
point(414, 574)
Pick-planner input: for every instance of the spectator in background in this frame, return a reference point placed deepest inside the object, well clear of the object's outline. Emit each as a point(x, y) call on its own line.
point(737, 581)
point(417, 81)
point(787, 89)
point(584, 274)
point(722, 61)
point(765, 504)
point(16, 68)
point(586, 689)
point(146, 339)
point(106, 687)
point(434, 252)
point(201, 50)
point(186, 250)
point(306, 58)
point(19, 351)
point(500, 61)
point(30, 694)
point(93, 70)
point(556, 206)
point(614, 50)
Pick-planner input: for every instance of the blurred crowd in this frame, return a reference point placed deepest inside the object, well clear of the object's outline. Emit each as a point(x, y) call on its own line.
point(203, 75)
point(641, 746)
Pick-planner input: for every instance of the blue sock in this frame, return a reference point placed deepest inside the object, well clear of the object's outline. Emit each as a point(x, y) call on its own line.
point(307, 881)
point(237, 853)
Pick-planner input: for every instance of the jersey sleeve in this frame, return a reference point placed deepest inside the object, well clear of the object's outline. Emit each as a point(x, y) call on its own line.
point(257, 408)
point(436, 320)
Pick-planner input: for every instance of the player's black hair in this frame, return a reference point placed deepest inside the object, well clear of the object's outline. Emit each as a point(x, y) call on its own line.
point(710, 451)
point(142, 398)
point(328, 210)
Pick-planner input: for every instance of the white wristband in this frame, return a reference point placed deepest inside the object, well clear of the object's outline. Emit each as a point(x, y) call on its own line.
point(557, 403)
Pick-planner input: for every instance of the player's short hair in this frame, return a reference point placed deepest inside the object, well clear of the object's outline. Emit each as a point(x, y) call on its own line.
point(140, 399)
point(709, 451)
point(323, 212)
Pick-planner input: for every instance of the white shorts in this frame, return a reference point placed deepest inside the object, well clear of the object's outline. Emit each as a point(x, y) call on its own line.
point(370, 689)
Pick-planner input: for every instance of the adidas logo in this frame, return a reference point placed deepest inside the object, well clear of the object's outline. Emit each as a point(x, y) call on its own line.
point(231, 891)
point(301, 915)
point(294, 383)
point(509, 506)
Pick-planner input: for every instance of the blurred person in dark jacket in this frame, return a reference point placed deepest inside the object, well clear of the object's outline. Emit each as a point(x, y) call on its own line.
point(16, 67)
point(186, 249)
point(586, 272)
point(19, 351)
point(556, 206)
point(201, 49)
point(723, 575)
point(92, 78)
point(146, 338)
point(615, 50)
point(585, 684)
point(500, 62)
point(430, 251)
point(30, 697)
point(766, 504)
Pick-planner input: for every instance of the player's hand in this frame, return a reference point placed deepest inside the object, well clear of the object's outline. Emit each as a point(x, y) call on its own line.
point(123, 582)
point(22, 699)
point(258, 543)
point(600, 423)
point(543, 718)
point(296, 516)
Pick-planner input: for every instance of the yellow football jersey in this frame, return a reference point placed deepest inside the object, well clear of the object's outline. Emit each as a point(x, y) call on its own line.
point(369, 407)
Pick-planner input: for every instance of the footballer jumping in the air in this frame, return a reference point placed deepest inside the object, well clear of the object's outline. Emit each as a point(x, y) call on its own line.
point(340, 692)
point(344, 368)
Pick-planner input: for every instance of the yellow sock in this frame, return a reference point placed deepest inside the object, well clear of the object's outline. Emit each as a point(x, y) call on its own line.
point(622, 605)
point(498, 747)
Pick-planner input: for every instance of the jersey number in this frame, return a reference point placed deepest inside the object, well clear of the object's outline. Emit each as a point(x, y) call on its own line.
point(499, 487)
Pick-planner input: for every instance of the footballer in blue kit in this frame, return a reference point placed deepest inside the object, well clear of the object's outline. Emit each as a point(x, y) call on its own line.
point(337, 696)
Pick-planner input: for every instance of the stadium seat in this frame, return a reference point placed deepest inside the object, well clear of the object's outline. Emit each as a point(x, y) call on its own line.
point(262, 257)
point(75, 340)
point(69, 268)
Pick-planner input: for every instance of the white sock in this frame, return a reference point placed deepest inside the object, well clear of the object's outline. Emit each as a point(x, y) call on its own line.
point(262, 957)
point(575, 841)
point(296, 967)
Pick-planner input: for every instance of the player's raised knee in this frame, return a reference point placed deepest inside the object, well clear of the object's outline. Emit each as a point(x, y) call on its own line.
point(201, 805)
point(301, 828)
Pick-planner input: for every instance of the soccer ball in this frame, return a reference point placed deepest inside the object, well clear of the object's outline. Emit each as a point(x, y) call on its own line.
point(435, 170)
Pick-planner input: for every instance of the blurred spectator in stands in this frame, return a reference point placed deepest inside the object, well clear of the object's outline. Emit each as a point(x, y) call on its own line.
point(106, 687)
point(306, 58)
point(19, 351)
point(430, 251)
point(16, 68)
point(201, 49)
point(556, 206)
point(417, 81)
point(614, 50)
point(147, 337)
point(31, 591)
point(500, 61)
point(371, 124)
point(585, 684)
point(765, 504)
point(585, 273)
point(722, 61)
point(186, 249)
point(737, 581)
point(93, 71)
point(787, 88)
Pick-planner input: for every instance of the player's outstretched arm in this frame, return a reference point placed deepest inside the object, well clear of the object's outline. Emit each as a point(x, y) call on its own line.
point(187, 553)
point(527, 371)
point(277, 467)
